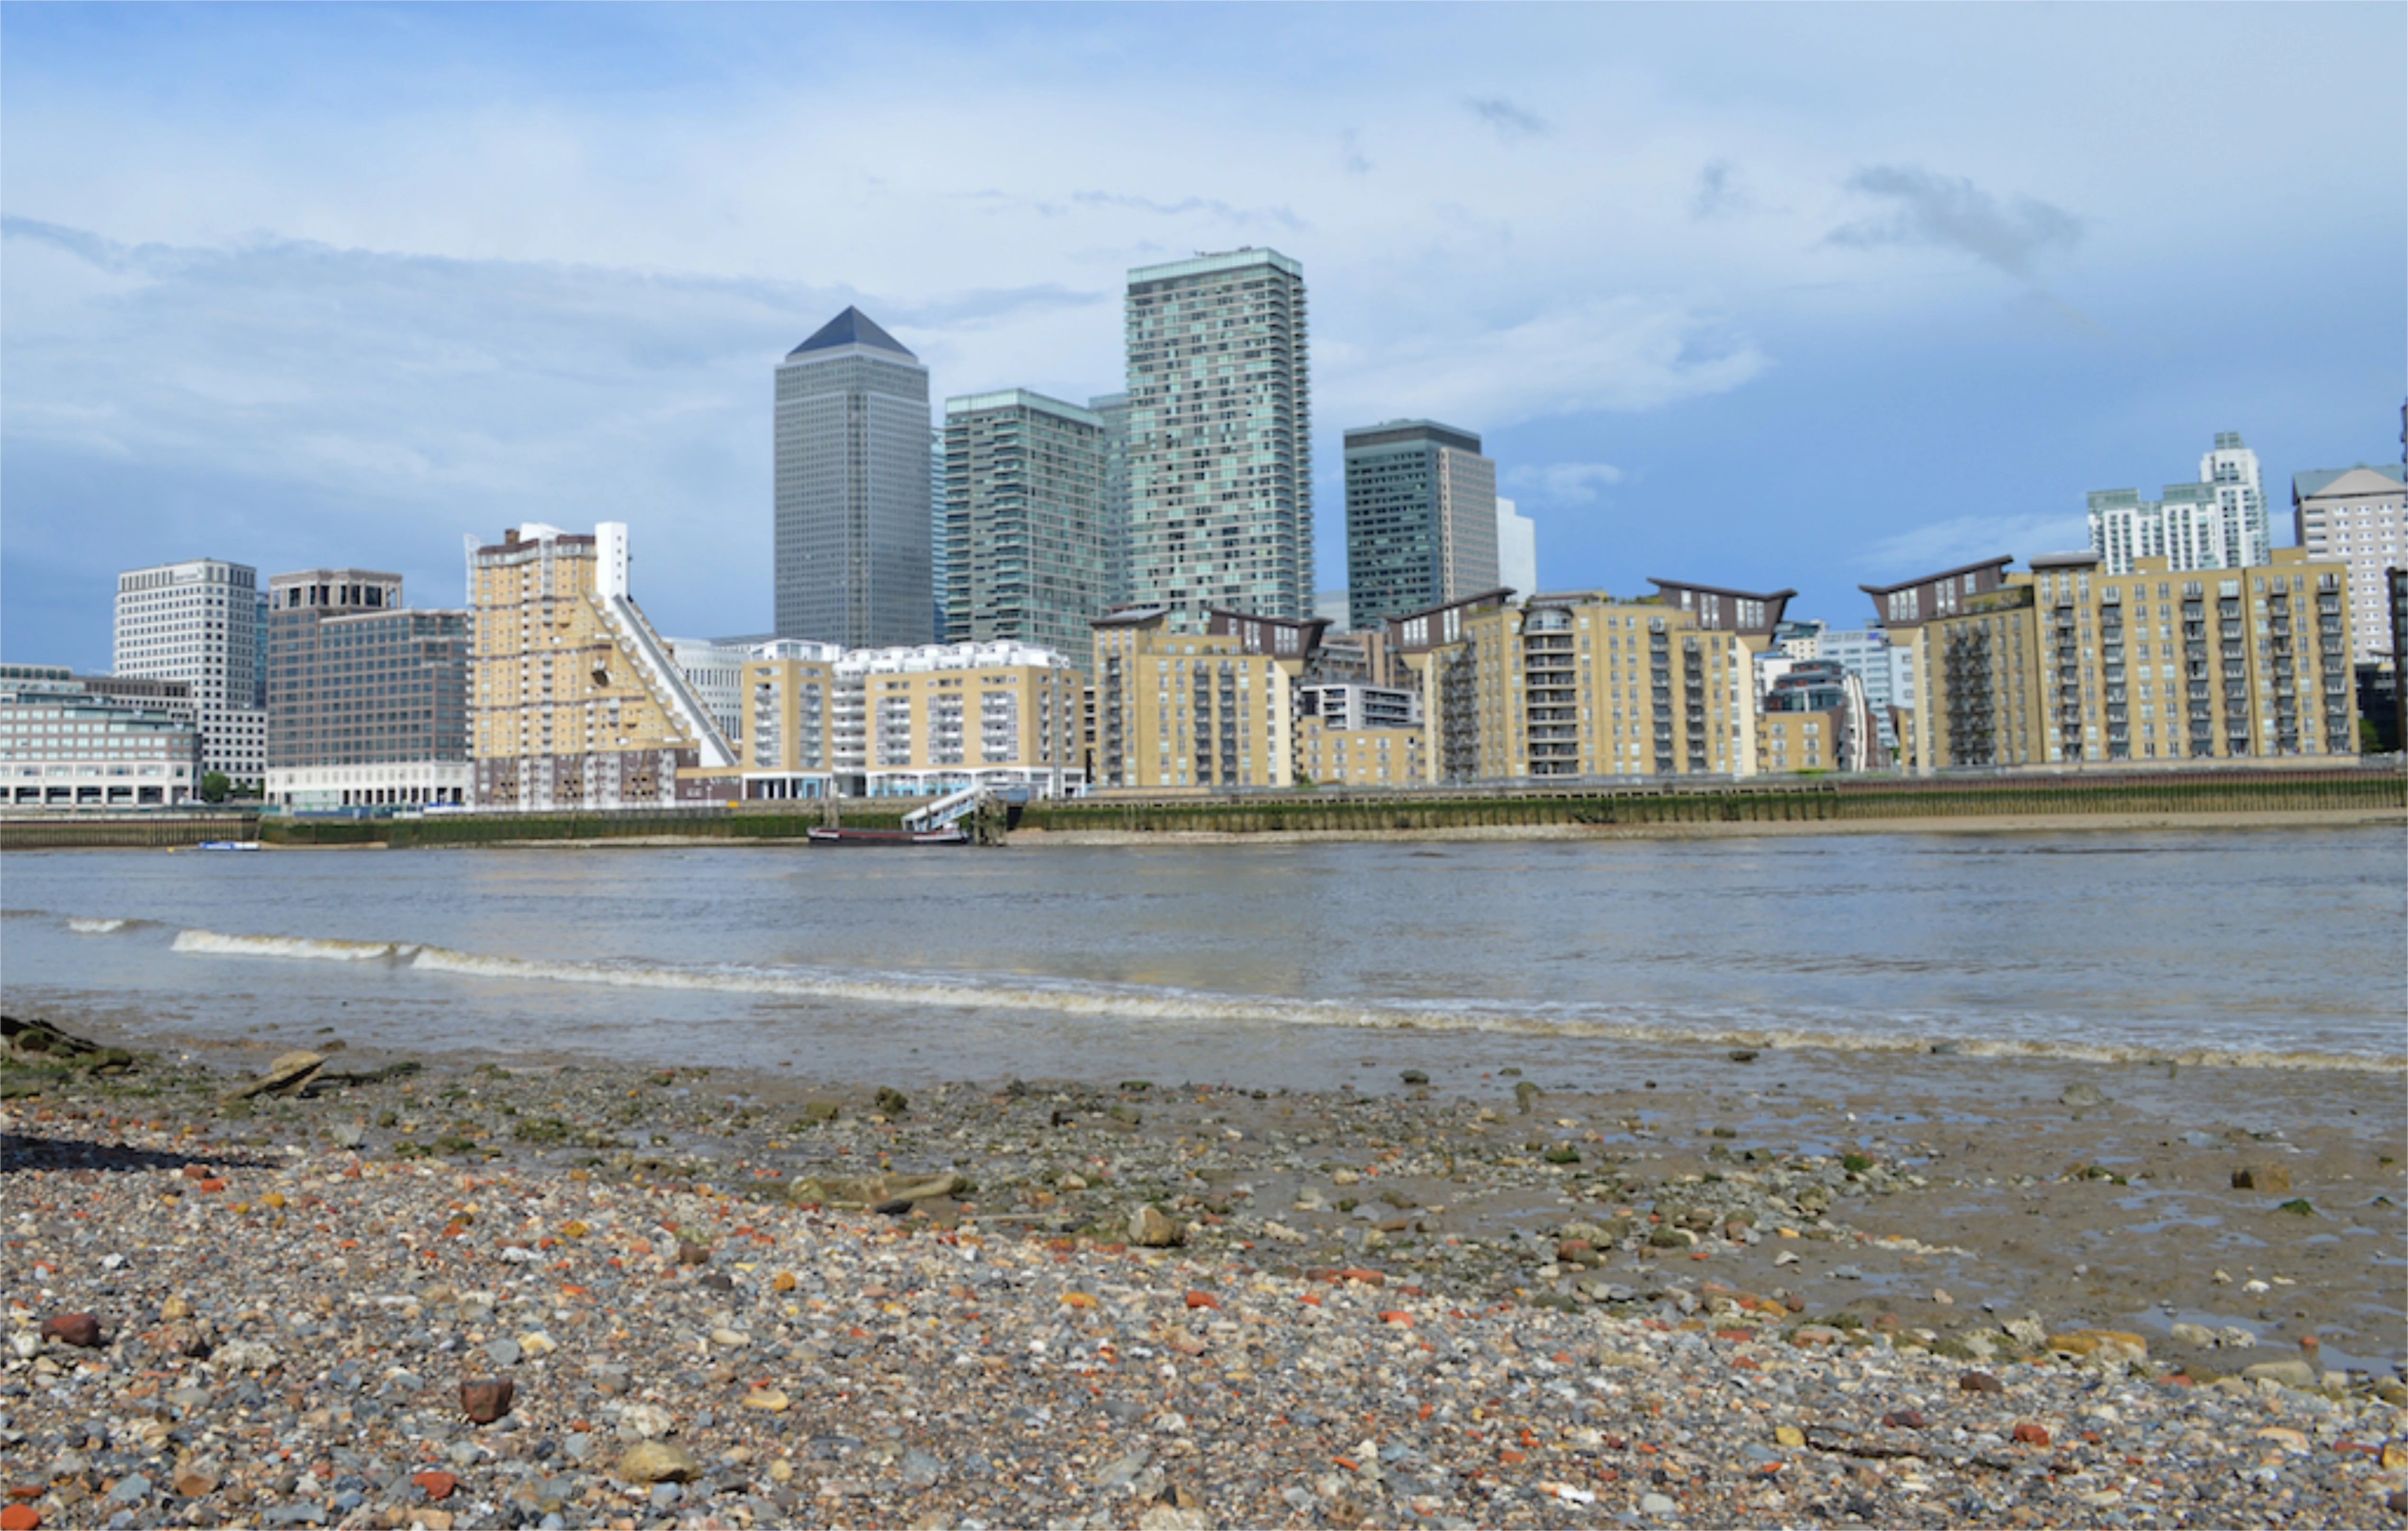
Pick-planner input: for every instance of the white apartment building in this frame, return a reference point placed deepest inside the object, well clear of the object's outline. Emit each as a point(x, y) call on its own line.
point(198, 622)
point(2217, 523)
point(2354, 515)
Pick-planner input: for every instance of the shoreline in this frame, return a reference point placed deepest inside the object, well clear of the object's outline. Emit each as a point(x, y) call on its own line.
point(1657, 1248)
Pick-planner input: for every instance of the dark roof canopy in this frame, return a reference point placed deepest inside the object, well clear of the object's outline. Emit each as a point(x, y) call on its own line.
point(851, 327)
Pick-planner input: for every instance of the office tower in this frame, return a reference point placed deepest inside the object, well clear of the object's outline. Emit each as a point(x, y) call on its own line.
point(1113, 411)
point(2217, 522)
point(1024, 513)
point(940, 550)
point(2072, 664)
point(1517, 550)
point(2353, 517)
point(578, 701)
point(1421, 519)
point(2230, 469)
point(1220, 438)
point(368, 701)
point(198, 622)
point(68, 742)
point(854, 555)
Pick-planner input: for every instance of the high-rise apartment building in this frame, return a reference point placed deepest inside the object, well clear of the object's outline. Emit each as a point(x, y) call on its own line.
point(854, 555)
point(1024, 513)
point(2071, 664)
point(368, 700)
point(2355, 517)
point(1197, 710)
point(1421, 519)
point(198, 622)
point(578, 701)
point(2218, 522)
point(1220, 452)
point(1111, 410)
point(1517, 549)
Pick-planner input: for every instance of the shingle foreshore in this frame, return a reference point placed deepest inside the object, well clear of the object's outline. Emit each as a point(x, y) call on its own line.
point(702, 1318)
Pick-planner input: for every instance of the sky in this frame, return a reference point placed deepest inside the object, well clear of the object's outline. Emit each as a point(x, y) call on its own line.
point(1797, 296)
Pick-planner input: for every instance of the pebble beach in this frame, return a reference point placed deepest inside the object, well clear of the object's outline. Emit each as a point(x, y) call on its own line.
point(455, 1292)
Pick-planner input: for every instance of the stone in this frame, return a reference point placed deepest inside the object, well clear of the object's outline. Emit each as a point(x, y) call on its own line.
point(1150, 1228)
point(868, 1190)
point(1979, 1381)
point(1905, 1419)
point(920, 1470)
point(195, 1483)
point(768, 1400)
point(435, 1485)
point(20, 1517)
point(2292, 1372)
point(2028, 1434)
point(502, 1352)
point(1658, 1504)
point(2082, 1092)
point(2271, 1178)
point(132, 1489)
point(2101, 1344)
point(485, 1399)
point(82, 1330)
point(1789, 1435)
point(657, 1461)
point(289, 1075)
point(648, 1420)
point(1414, 1077)
point(890, 1102)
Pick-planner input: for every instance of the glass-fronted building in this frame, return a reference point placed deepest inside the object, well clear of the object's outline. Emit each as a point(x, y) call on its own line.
point(1421, 519)
point(368, 701)
point(1024, 513)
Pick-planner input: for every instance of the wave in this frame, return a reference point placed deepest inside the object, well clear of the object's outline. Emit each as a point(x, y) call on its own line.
point(82, 926)
point(299, 949)
point(1144, 1005)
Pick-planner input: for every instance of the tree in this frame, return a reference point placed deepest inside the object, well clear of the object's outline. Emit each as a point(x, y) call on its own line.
point(214, 787)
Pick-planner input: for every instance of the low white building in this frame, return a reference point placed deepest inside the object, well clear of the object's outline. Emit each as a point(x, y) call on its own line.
point(63, 747)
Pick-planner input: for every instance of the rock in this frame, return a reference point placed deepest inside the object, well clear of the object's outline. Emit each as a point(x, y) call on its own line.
point(2292, 1372)
point(2101, 1344)
point(2272, 1178)
point(920, 1470)
point(348, 1134)
point(1904, 1419)
point(1743, 1055)
point(1524, 1093)
point(1149, 1228)
point(1414, 1077)
point(502, 1352)
point(892, 1101)
point(289, 1075)
point(132, 1489)
point(485, 1399)
point(649, 1421)
point(693, 1254)
point(1658, 1504)
point(2082, 1092)
point(82, 1330)
point(244, 1355)
point(2192, 1334)
point(1979, 1381)
point(657, 1461)
point(768, 1400)
point(194, 1482)
point(436, 1484)
point(20, 1517)
point(1789, 1435)
point(2028, 1434)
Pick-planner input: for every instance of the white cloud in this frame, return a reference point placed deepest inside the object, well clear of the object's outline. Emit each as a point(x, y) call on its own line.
point(1564, 484)
point(1946, 545)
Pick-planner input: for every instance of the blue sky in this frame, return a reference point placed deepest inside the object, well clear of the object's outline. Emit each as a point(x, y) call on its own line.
point(1792, 295)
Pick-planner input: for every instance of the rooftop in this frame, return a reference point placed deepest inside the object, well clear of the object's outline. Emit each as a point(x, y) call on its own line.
point(851, 327)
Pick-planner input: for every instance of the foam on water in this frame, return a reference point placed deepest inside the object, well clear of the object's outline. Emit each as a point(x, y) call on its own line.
point(97, 927)
point(1138, 1006)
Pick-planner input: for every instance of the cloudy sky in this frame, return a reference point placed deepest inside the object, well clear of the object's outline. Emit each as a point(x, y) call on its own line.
point(1795, 296)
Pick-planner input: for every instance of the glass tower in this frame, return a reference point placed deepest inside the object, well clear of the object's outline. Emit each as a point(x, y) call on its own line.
point(1220, 453)
point(854, 555)
point(1421, 519)
point(1025, 516)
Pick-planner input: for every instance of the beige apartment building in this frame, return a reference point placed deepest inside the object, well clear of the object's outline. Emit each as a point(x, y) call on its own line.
point(575, 701)
point(1585, 683)
point(907, 722)
point(2068, 666)
point(1196, 711)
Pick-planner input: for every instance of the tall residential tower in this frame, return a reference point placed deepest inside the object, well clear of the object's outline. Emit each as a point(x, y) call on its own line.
point(1220, 453)
point(1025, 516)
point(1421, 519)
point(854, 555)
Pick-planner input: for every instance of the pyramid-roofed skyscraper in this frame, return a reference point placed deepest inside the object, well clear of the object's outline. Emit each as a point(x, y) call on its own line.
point(853, 490)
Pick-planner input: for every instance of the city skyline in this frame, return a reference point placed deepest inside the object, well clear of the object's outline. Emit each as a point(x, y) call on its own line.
point(1654, 289)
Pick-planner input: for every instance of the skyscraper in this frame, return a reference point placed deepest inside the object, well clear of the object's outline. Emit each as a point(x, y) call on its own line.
point(198, 622)
point(2217, 522)
point(1025, 516)
point(1220, 453)
point(1113, 411)
point(854, 555)
point(1421, 519)
point(1517, 549)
